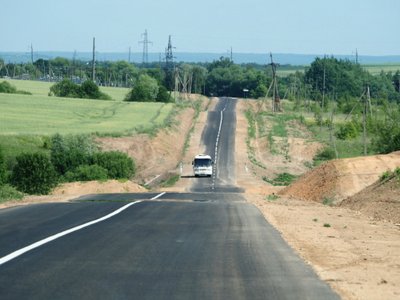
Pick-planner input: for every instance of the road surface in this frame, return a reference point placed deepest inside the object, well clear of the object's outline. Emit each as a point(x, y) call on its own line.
point(205, 244)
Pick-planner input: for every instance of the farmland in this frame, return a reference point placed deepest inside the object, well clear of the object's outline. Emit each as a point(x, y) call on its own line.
point(41, 88)
point(26, 119)
point(42, 115)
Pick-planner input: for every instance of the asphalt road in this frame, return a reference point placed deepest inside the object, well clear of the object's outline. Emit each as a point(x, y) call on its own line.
point(206, 244)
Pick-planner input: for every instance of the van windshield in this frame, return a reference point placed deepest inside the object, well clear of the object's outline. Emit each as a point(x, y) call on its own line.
point(203, 162)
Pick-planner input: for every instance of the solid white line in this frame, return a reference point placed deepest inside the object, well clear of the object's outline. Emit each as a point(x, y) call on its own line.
point(158, 196)
point(19, 252)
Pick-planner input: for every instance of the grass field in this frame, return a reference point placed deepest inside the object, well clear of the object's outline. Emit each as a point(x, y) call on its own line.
point(374, 69)
point(42, 88)
point(43, 115)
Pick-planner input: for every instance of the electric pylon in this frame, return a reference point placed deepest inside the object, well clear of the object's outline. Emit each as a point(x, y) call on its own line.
point(145, 42)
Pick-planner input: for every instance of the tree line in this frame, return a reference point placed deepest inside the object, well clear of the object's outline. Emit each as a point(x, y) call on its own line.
point(340, 80)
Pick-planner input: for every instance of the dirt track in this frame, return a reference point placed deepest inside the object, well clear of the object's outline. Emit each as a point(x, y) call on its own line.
point(357, 255)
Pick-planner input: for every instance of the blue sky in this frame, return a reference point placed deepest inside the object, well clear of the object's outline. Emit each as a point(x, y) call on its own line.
point(251, 26)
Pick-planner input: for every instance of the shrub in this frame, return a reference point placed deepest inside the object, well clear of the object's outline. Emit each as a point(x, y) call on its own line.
point(71, 151)
point(6, 87)
point(67, 88)
point(8, 192)
point(118, 164)
point(347, 131)
point(146, 89)
point(34, 174)
point(325, 154)
point(90, 90)
point(86, 173)
point(163, 95)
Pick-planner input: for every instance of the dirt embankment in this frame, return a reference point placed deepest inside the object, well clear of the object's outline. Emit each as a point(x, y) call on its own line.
point(338, 179)
point(353, 250)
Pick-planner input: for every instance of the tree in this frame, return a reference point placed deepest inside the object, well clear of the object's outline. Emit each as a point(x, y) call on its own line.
point(145, 89)
point(34, 174)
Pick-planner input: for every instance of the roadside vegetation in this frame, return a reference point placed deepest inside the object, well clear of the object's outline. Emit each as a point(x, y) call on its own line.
point(349, 109)
point(65, 159)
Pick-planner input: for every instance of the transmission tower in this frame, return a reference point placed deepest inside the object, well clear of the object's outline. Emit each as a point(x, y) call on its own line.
point(145, 43)
point(169, 66)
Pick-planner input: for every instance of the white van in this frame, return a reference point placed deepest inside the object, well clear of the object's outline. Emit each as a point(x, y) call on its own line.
point(202, 165)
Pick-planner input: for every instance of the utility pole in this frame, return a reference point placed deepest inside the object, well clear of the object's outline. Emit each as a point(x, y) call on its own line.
point(94, 61)
point(367, 100)
point(276, 100)
point(145, 43)
point(231, 55)
point(356, 56)
point(32, 53)
point(129, 55)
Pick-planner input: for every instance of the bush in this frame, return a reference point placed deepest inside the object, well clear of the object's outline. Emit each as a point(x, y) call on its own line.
point(145, 89)
point(163, 95)
point(8, 192)
point(65, 88)
point(86, 173)
point(118, 164)
point(347, 131)
point(71, 151)
point(88, 89)
point(325, 154)
point(34, 174)
point(6, 87)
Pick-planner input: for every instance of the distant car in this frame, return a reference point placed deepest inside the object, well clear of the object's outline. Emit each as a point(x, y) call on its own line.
point(202, 165)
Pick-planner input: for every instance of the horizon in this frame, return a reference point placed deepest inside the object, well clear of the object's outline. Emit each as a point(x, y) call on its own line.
point(293, 59)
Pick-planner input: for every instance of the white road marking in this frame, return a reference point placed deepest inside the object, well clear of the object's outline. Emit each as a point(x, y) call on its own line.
point(21, 251)
point(216, 147)
point(158, 196)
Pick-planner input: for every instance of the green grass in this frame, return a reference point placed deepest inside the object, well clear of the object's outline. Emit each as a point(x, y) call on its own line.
point(377, 69)
point(42, 88)
point(42, 115)
point(374, 69)
point(283, 179)
point(171, 181)
point(8, 192)
point(12, 146)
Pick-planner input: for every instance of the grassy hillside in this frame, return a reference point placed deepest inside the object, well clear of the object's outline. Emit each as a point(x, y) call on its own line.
point(42, 88)
point(26, 120)
point(43, 115)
